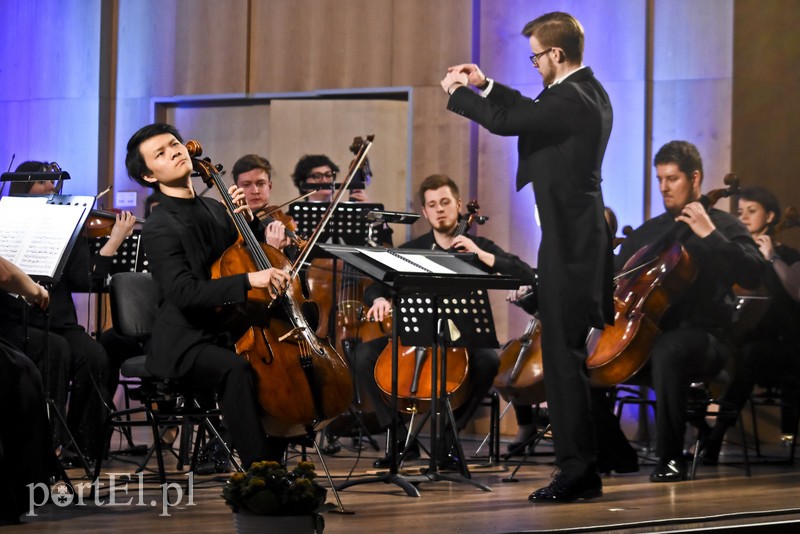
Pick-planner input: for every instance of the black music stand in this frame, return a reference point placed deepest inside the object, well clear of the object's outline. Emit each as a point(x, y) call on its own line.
point(348, 225)
point(129, 257)
point(440, 322)
point(405, 272)
point(49, 275)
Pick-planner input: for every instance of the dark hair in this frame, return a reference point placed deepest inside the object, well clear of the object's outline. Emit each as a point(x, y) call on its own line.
point(682, 153)
point(151, 202)
point(560, 30)
point(248, 163)
point(308, 162)
point(766, 198)
point(23, 188)
point(435, 181)
point(134, 161)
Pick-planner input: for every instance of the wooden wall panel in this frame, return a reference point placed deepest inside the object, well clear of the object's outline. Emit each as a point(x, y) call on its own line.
point(766, 112)
point(210, 47)
point(427, 37)
point(307, 45)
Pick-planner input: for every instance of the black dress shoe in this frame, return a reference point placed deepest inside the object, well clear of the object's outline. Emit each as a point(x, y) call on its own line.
point(669, 471)
point(564, 489)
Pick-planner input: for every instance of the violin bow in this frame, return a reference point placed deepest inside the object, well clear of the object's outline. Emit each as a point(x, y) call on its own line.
point(358, 161)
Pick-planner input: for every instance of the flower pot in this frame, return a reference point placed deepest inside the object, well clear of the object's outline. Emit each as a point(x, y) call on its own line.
point(246, 523)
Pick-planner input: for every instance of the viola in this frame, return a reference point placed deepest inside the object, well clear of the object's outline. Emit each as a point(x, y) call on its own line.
point(653, 279)
point(302, 382)
point(269, 214)
point(100, 222)
point(414, 363)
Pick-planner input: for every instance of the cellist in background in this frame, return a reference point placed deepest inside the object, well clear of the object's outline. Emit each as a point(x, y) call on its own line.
point(770, 353)
point(182, 238)
point(441, 204)
point(694, 344)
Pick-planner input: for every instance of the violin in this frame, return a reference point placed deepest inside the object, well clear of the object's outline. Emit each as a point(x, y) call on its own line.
point(302, 382)
point(269, 214)
point(649, 283)
point(414, 382)
point(100, 222)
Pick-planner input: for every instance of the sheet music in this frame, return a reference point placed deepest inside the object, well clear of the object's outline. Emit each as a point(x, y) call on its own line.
point(427, 263)
point(34, 234)
point(406, 263)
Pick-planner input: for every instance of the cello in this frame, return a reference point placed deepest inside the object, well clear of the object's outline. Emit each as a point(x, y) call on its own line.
point(414, 363)
point(302, 382)
point(649, 283)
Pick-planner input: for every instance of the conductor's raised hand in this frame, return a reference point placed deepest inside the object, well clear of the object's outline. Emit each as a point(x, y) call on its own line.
point(474, 74)
point(453, 78)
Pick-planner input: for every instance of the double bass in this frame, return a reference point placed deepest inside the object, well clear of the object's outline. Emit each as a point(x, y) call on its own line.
point(653, 279)
point(414, 363)
point(302, 382)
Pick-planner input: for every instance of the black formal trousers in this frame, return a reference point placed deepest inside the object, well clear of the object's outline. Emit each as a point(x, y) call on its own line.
point(232, 378)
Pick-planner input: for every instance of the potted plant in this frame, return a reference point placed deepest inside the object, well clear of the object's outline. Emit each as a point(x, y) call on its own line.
point(271, 499)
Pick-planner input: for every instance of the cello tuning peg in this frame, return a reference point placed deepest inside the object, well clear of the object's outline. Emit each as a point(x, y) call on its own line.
point(218, 166)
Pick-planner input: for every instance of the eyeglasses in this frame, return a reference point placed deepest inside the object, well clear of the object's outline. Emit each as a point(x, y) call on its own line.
point(320, 175)
point(535, 57)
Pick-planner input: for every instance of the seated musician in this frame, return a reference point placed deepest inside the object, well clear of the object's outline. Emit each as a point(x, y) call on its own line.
point(182, 239)
point(770, 352)
point(26, 456)
point(441, 203)
point(318, 169)
point(253, 174)
point(73, 354)
point(694, 344)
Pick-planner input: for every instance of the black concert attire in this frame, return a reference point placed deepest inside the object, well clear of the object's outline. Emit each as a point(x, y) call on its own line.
point(72, 352)
point(483, 362)
point(563, 134)
point(769, 355)
point(695, 341)
point(26, 456)
point(190, 340)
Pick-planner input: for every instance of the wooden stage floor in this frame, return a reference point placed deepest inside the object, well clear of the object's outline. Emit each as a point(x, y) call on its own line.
point(721, 498)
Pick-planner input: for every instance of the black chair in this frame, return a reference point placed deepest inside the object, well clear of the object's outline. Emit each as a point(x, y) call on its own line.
point(165, 403)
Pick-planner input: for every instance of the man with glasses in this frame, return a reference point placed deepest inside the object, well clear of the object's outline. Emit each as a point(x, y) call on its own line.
point(563, 134)
point(318, 169)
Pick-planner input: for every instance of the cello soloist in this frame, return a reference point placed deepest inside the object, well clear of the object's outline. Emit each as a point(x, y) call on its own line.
point(183, 237)
point(694, 343)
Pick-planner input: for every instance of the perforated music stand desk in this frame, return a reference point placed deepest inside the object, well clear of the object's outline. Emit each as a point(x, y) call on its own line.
point(462, 278)
point(348, 224)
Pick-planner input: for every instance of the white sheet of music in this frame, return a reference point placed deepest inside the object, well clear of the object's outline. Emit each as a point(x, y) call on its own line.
point(34, 234)
point(405, 263)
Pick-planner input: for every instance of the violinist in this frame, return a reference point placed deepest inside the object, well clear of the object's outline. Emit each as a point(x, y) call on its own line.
point(74, 356)
point(440, 200)
point(182, 238)
point(695, 343)
point(770, 352)
point(253, 174)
